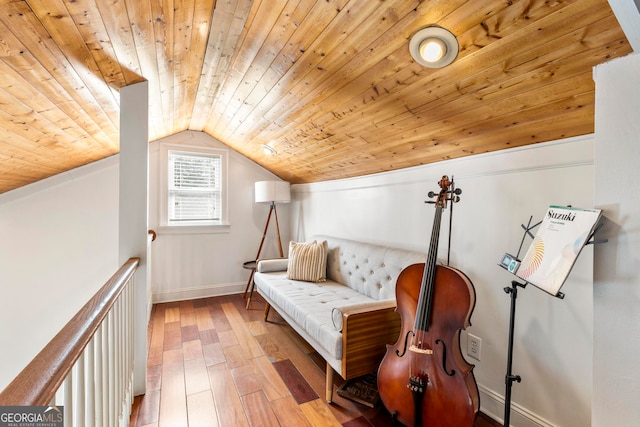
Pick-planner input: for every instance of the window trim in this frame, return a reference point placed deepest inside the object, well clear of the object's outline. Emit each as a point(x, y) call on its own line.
point(192, 227)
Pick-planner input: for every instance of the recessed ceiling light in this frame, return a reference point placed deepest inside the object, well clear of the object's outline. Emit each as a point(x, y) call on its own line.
point(268, 150)
point(434, 47)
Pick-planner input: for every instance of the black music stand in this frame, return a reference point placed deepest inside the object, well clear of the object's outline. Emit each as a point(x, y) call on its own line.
point(513, 292)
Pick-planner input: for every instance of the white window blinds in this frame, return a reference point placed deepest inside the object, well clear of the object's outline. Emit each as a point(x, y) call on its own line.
point(195, 187)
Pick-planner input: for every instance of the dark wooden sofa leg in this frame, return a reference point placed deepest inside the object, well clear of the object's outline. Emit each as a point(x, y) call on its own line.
point(267, 307)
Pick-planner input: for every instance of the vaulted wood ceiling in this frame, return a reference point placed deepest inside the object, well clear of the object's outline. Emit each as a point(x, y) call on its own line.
point(329, 84)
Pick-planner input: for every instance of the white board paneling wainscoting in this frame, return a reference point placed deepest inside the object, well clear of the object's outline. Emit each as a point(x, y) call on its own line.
point(553, 341)
point(197, 263)
point(188, 293)
point(493, 403)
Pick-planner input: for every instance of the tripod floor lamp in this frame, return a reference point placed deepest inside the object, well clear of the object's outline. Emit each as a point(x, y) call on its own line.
point(271, 192)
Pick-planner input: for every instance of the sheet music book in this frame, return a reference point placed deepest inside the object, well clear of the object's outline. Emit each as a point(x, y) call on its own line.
point(562, 234)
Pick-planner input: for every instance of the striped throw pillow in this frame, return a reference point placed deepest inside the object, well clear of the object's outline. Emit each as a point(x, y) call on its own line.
point(307, 261)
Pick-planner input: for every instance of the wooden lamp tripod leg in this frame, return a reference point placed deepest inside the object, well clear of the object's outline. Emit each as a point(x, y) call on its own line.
point(273, 206)
point(273, 210)
point(266, 228)
point(264, 235)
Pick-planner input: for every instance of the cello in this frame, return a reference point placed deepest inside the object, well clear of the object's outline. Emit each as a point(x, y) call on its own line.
point(423, 379)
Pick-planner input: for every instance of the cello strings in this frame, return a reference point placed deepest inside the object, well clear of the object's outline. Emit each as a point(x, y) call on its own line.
point(423, 316)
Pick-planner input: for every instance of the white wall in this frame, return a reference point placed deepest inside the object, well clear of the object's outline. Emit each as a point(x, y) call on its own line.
point(58, 246)
point(617, 271)
point(553, 340)
point(186, 266)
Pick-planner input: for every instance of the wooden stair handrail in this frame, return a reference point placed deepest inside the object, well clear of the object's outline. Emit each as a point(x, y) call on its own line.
point(38, 382)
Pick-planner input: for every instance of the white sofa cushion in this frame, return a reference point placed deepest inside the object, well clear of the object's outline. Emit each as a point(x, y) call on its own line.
point(310, 305)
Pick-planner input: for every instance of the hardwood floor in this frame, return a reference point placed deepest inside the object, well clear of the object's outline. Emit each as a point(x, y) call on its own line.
point(214, 363)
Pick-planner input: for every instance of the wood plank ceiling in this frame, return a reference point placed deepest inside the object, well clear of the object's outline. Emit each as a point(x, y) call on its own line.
point(329, 84)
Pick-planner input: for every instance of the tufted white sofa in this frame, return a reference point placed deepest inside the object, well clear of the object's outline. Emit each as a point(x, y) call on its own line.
point(349, 318)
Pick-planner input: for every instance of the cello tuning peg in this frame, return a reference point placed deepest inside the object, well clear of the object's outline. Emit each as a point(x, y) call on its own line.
point(458, 191)
point(431, 194)
point(455, 199)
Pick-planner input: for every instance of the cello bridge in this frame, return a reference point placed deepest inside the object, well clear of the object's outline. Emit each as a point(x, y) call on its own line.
point(419, 350)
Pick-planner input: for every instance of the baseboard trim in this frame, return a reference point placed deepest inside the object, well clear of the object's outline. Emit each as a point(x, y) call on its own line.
point(492, 404)
point(198, 292)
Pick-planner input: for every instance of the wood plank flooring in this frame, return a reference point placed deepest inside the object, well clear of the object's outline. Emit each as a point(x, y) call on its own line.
point(214, 363)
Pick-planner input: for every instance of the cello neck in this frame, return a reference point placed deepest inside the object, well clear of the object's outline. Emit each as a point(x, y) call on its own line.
point(425, 301)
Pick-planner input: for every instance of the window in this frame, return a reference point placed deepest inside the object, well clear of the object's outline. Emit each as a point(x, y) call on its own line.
point(195, 187)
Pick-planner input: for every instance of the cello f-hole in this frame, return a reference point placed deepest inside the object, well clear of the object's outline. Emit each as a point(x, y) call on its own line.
point(444, 358)
point(406, 341)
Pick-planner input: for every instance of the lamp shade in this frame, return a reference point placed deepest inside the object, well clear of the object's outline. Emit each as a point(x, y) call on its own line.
point(273, 191)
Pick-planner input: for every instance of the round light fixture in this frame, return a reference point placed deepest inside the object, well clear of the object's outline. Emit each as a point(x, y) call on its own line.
point(433, 47)
point(268, 150)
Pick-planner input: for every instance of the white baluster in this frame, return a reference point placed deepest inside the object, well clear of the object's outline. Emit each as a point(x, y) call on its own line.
point(111, 367)
point(90, 402)
point(130, 333)
point(105, 372)
point(68, 400)
point(79, 392)
point(117, 359)
point(99, 375)
point(121, 355)
point(122, 359)
point(127, 346)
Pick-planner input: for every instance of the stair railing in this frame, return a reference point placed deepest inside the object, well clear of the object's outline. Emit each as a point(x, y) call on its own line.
point(88, 366)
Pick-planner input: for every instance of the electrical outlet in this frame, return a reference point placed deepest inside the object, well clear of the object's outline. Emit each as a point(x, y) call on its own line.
point(474, 346)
